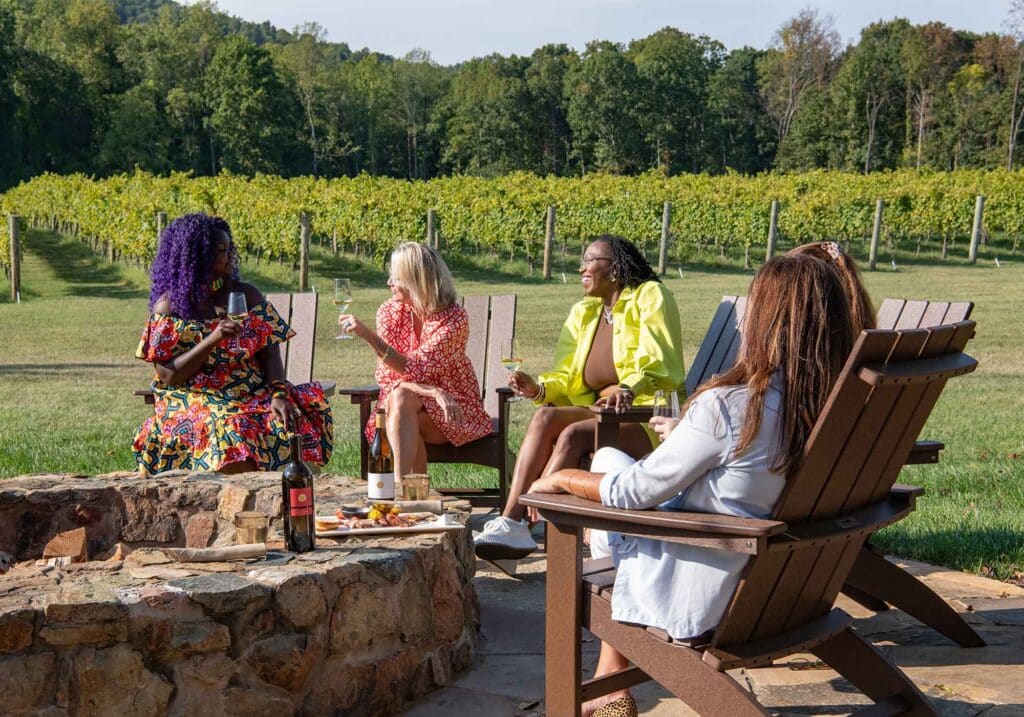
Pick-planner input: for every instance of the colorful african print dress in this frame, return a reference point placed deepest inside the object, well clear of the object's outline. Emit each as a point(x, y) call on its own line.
point(222, 414)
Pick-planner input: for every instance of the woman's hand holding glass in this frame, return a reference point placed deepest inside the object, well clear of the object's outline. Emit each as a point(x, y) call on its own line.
point(351, 324)
point(666, 413)
point(523, 384)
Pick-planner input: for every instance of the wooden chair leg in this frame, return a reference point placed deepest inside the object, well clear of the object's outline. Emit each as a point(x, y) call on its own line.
point(876, 576)
point(867, 600)
point(874, 674)
point(678, 669)
point(563, 662)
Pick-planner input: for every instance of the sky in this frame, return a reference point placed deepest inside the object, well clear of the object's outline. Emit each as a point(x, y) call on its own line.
point(457, 30)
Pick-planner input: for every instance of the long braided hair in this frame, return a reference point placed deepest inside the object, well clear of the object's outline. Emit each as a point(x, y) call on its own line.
point(628, 263)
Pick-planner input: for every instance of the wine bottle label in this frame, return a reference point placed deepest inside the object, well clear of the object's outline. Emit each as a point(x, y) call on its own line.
point(380, 486)
point(301, 501)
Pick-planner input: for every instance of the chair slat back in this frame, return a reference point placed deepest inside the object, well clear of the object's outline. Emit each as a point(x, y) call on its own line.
point(718, 349)
point(904, 314)
point(717, 352)
point(283, 303)
point(853, 457)
point(299, 311)
point(492, 322)
point(478, 311)
point(299, 368)
point(503, 327)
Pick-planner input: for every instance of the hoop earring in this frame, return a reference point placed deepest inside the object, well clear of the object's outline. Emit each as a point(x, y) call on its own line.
point(614, 278)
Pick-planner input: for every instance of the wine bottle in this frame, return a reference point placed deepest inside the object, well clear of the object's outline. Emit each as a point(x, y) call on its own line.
point(380, 473)
point(299, 508)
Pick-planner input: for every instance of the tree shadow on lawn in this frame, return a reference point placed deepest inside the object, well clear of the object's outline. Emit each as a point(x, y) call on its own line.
point(84, 273)
point(961, 549)
point(45, 369)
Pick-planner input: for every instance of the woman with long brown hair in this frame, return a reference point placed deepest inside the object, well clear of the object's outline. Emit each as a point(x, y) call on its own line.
point(862, 313)
point(743, 433)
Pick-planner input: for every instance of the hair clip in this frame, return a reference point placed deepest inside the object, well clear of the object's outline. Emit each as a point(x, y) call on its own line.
point(834, 250)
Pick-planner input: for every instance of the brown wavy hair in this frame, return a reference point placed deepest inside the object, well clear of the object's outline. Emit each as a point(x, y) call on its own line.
point(830, 252)
point(798, 323)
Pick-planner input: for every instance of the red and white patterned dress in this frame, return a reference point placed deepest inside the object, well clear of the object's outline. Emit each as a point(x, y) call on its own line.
point(437, 357)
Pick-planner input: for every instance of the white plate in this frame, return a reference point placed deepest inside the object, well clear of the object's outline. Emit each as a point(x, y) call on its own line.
point(438, 524)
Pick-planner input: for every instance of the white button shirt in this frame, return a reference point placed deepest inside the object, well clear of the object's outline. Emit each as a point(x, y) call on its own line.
point(685, 589)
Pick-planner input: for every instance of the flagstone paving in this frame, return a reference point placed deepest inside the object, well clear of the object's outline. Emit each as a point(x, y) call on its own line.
point(507, 678)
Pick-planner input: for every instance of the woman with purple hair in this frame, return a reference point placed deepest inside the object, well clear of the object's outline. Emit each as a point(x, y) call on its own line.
point(222, 403)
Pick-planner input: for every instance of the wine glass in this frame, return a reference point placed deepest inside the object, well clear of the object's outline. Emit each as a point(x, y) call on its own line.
point(342, 299)
point(666, 403)
point(511, 361)
point(237, 311)
point(661, 404)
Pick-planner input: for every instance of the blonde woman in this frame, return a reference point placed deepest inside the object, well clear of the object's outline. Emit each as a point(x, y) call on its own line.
point(427, 385)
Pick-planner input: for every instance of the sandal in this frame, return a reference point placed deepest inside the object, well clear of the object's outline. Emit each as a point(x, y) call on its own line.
point(622, 707)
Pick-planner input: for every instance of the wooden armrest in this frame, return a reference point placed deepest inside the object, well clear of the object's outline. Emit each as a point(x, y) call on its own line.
point(917, 371)
point(634, 414)
point(361, 394)
point(904, 489)
point(328, 387)
point(865, 521)
point(726, 532)
point(142, 392)
point(925, 452)
point(504, 391)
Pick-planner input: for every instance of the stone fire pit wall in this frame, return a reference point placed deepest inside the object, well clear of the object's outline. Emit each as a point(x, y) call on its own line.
point(354, 628)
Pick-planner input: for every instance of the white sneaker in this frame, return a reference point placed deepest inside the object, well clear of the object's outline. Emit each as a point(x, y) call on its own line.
point(503, 539)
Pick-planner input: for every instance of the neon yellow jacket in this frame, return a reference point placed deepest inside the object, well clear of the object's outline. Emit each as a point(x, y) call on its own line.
point(646, 347)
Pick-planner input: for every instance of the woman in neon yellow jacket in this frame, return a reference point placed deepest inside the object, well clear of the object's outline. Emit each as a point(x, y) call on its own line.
point(618, 346)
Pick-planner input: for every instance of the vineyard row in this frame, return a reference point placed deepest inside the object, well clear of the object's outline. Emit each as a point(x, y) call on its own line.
point(508, 214)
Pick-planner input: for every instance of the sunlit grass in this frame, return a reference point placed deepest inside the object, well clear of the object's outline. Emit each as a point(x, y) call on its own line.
point(67, 371)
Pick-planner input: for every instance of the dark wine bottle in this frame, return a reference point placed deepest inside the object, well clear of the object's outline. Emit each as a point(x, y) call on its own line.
point(380, 472)
point(299, 508)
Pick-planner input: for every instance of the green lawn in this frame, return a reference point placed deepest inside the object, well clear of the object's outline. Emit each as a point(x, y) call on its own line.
point(66, 375)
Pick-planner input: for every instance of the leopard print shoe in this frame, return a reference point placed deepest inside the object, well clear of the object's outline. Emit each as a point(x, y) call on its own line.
point(622, 707)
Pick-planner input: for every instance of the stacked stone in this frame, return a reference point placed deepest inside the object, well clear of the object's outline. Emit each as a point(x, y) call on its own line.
point(359, 628)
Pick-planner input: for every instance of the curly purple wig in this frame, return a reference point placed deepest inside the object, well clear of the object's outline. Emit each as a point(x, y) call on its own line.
point(183, 268)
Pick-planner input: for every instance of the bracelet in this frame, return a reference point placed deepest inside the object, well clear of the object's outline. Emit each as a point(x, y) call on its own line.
point(541, 394)
point(626, 389)
point(279, 394)
point(383, 355)
point(279, 385)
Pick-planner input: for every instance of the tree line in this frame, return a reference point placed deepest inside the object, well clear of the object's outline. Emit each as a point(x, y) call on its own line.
point(102, 87)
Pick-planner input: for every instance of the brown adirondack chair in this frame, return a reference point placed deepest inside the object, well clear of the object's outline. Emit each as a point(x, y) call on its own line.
point(874, 581)
point(492, 321)
point(842, 492)
point(299, 311)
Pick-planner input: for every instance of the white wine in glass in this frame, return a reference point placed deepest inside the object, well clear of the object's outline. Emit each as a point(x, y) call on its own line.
point(511, 361)
point(343, 299)
point(237, 310)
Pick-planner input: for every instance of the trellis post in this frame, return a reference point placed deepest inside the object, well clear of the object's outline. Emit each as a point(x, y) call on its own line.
point(304, 222)
point(666, 224)
point(876, 233)
point(13, 224)
point(979, 212)
point(773, 230)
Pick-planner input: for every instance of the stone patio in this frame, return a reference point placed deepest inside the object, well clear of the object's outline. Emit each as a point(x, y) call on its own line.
point(507, 678)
